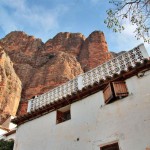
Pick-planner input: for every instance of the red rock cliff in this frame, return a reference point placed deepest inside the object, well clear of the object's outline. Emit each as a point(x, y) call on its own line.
point(94, 51)
point(39, 68)
point(70, 43)
point(10, 87)
point(42, 67)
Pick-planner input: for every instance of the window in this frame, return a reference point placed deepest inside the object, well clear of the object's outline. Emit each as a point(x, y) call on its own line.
point(113, 146)
point(63, 114)
point(114, 91)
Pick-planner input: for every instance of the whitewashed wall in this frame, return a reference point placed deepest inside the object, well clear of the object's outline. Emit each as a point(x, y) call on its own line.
point(2, 132)
point(94, 124)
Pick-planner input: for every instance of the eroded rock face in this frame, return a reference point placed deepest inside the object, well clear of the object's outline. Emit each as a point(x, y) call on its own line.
point(42, 67)
point(10, 87)
point(59, 69)
point(94, 51)
point(22, 109)
point(70, 43)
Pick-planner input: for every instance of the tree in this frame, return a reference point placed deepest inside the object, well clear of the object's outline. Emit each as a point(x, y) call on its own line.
point(6, 145)
point(136, 11)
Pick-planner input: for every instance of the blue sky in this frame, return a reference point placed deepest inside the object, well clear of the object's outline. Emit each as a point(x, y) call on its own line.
point(45, 18)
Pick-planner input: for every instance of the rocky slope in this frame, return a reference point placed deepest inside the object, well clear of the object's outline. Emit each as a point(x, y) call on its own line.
point(94, 51)
point(43, 66)
point(10, 87)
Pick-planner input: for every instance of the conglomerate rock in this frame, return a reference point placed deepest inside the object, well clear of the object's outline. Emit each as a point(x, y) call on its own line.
point(70, 43)
point(94, 51)
point(42, 67)
point(10, 87)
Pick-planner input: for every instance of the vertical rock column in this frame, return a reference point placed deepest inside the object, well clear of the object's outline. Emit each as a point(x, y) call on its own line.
point(94, 51)
point(10, 87)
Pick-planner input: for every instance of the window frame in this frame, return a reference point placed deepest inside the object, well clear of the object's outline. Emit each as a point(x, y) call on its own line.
point(62, 114)
point(110, 146)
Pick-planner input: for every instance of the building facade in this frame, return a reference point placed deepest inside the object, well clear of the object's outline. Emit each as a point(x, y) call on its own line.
point(106, 110)
point(8, 129)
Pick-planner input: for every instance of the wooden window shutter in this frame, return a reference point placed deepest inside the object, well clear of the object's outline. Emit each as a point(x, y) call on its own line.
point(108, 94)
point(59, 116)
point(120, 89)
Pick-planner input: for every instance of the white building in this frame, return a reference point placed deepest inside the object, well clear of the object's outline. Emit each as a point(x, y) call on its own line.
point(8, 129)
point(107, 108)
point(3, 130)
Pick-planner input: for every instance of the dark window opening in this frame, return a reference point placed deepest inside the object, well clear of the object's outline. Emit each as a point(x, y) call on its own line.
point(63, 114)
point(115, 90)
point(113, 146)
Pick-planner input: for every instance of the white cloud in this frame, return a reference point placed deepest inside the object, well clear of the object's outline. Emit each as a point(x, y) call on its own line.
point(17, 15)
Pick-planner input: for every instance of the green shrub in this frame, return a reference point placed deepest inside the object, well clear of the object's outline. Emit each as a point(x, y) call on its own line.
point(6, 144)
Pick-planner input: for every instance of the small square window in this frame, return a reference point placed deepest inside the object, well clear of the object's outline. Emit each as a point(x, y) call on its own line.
point(113, 146)
point(63, 114)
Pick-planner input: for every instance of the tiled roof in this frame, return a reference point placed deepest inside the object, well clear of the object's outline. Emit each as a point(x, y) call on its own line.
point(10, 132)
